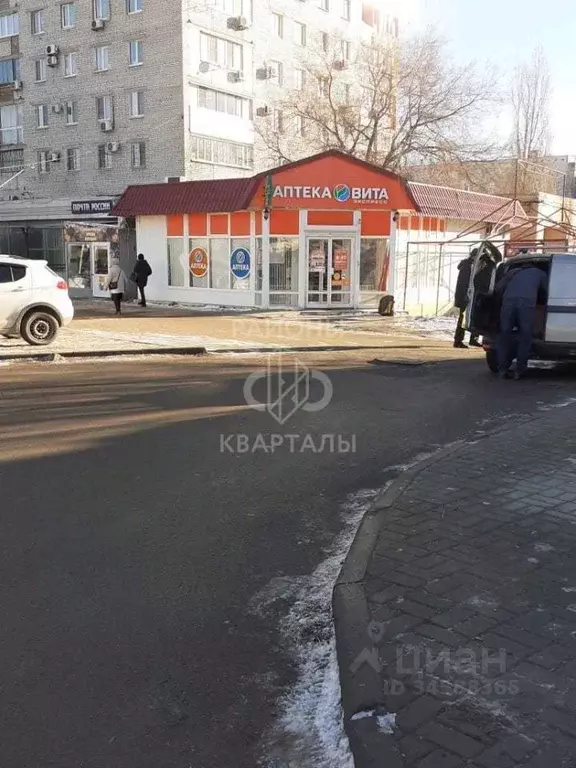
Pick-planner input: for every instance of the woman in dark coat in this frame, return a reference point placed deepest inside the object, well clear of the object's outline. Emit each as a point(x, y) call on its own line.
point(140, 274)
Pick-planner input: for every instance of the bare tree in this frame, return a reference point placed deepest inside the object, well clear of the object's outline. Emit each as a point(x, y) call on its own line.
point(531, 92)
point(391, 103)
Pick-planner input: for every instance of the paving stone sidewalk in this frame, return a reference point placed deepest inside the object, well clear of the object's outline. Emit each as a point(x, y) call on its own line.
point(471, 591)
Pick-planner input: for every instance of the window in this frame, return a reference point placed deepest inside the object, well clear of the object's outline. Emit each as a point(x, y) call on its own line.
point(40, 70)
point(11, 161)
point(347, 93)
point(71, 112)
point(9, 26)
point(104, 108)
point(221, 152)
point(42, 116)
point(11, 131)
point(325, 41)
point(176, 270)
point(324, 5)
point(138, 154)
point(322, 87)
point(133, 6)
point(278, 70)
point(224, 102)
point(72, 159)
point(68, 15)
point(102, 9)
point(44, 161)
point(300, 126)
point(102, 58)
point(37, 22)
point(299, 79)
point(104, 157)
point(223, 53)
point(346, 9)
point(11, 273)
point(299, 33)
point(346, 50)
point(374, 263)
point(135, 53)
point(278, 24)
point(9, 70)
point(278, 121)
point(71, 64)
point(137, 104)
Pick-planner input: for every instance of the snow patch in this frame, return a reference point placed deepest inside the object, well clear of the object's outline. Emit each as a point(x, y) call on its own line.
point(562, 404)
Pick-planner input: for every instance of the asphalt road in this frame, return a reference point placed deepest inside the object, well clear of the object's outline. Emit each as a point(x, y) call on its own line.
point(131, 545)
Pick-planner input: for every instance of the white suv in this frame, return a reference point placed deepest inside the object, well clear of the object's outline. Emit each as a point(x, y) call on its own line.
point(34, 301)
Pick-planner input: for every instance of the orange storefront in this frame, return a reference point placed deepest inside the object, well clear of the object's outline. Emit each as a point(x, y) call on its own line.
point(315, 233)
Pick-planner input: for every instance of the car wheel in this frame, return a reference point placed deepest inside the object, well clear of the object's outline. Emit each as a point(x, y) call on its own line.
point(492, 360)
point(39, 328)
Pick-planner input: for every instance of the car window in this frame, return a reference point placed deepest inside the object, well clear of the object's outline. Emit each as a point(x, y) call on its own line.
point(18, 272)
point(5, 273)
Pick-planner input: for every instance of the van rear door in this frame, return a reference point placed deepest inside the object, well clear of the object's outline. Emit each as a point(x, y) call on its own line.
point(561, 311)
point(480, 312)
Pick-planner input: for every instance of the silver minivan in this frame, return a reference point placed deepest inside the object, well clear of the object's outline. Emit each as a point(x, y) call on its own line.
point(554, 335)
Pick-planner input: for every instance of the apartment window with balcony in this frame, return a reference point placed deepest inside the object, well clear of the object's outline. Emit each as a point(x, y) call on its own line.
point(221, 152)
point(9, 70)
point(44, 161)
point(37, 22)
point(299, 79)
point(136, 53)
point(9, 25)
point(42, 116)
point(299, 33)
point(102, 58)
point(104, 108)
point(40, 68)
point(220, 52)
point(68, 15)
point(138, 154)
point(133, 6)
point(104, 157)
point(71, 64)
point(11, 131)
point(71, 113)
point(277, 73)
point(102, 9)
point(137, 104)
point(278, 24)
point(224, 102)
point(346, 9)
point(11, 161)
point(73, 159)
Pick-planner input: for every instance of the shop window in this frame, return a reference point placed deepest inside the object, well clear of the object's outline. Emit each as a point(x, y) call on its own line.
point(198, 282)
point(220, 263)
point(242, 284)
point(374, 260)
point(284, 254)
point(176, 262)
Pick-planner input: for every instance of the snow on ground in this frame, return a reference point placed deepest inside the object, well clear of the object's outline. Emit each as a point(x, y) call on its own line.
point(438, 327)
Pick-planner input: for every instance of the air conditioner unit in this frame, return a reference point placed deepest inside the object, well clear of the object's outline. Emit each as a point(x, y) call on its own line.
point(57, 109)
point(340, 64)
point(204, 67)
point(265, 73)
point(235, 77)
point(55, 157)
point(174, 179)
point(17, 85)
point(238, 23)
point(52, 50)
point(52, 61)
point(262, 111)
point(112, 146)
point(98, 24)
point(106, 125)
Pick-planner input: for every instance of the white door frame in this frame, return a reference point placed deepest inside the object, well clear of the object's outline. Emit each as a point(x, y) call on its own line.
point(97, 279)
point(334, 233)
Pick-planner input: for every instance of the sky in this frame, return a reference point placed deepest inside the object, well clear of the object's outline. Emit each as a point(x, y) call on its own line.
point(506, 32)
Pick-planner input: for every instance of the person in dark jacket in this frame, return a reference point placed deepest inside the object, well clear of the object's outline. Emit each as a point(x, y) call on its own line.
point(140, 274)
point(519, 289)
point(461, 301)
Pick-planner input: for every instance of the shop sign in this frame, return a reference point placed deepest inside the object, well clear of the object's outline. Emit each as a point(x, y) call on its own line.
point(317, 260)
point(198, 262)
point(342, 193)
point(240, 263)
point(82, 207)
point(340, 259)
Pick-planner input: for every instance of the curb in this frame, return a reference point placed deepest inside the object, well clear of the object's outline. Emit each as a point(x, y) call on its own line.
point(280, 350)
point(50, 357)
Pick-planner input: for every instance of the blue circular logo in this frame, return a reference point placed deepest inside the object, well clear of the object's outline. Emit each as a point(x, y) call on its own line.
point(342, 193)
point(240, 263)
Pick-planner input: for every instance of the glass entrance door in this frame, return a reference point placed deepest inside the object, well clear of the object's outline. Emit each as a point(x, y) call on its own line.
point(100, 267)
point(329, 271)
point(78, 272)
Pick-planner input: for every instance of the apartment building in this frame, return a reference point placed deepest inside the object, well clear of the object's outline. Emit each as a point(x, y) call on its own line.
point(96, 95)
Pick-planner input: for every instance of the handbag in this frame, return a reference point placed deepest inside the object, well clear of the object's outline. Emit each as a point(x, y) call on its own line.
point(113, 285)
point(134, 277)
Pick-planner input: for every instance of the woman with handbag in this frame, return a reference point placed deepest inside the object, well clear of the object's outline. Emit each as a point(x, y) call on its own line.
point(116, 283)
